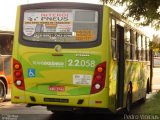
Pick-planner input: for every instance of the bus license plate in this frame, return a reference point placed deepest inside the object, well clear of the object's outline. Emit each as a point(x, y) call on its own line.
point(57, 88)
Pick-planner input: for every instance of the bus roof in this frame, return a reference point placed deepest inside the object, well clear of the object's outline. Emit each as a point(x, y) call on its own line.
point(127, 22)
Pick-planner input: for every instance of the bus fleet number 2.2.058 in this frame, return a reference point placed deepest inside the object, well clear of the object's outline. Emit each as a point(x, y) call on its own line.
point(82, 63)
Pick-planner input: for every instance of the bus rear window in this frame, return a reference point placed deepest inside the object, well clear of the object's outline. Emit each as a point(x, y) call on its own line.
point(60, 25)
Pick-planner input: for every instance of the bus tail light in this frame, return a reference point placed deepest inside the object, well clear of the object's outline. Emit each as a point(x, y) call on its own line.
point(17, 66)
point(98, 81)
point(18, 82)
point(18, 75)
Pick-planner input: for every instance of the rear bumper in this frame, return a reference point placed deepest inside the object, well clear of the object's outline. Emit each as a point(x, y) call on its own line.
point(98, 100)
point(95, 100)
point(41, 99)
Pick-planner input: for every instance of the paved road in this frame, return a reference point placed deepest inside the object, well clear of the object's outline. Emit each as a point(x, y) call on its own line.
point(10, 111)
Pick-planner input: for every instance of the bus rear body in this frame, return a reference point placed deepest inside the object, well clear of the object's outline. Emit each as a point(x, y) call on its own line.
point(50, 69)
point(75, 55)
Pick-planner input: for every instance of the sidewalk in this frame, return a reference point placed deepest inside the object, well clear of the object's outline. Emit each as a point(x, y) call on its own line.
point(156, 80)
point(152, 104)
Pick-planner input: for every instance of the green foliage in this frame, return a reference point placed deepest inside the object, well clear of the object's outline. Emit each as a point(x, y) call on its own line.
point(148, 9)
point(155, 43)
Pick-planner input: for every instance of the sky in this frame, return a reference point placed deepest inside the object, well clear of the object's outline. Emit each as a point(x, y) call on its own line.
point(8, 11)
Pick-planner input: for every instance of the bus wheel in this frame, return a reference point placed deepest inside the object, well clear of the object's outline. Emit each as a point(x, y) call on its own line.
point(129, 102)
point(2, 91)
point(144, 98)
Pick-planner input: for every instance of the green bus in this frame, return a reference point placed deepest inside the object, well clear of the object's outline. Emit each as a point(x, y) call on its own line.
point(71, 56)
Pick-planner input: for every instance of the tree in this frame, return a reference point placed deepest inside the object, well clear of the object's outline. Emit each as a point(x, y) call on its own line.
point(155, 43)
point(147, 9)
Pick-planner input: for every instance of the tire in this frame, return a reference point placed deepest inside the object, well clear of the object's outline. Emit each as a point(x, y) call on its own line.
point(2, 91)
point(144, 98)
point(148, 87)
point(129, 102)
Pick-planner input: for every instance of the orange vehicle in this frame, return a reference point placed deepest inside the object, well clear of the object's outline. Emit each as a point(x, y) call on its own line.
point(6, 42)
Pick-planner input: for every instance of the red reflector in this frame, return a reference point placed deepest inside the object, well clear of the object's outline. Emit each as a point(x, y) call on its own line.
point(18, 74)
point(98, 77)
point(98, 102)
